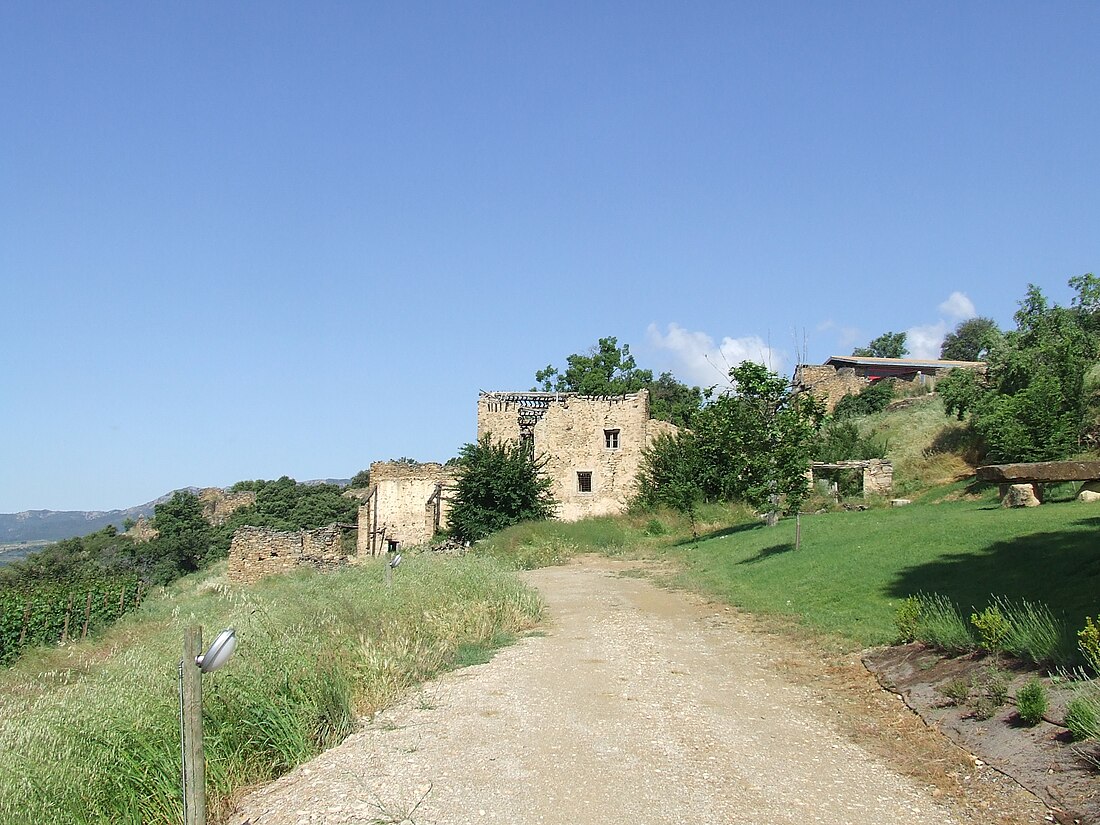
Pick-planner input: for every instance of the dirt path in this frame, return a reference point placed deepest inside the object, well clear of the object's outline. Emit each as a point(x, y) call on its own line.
point(638, 706)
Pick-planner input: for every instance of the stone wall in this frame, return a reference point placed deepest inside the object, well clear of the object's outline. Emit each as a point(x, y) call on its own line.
point(143, 530)
point(218, 504)
point(592, 442)
point(828, 383)
point(256, 552)
point(407, 504)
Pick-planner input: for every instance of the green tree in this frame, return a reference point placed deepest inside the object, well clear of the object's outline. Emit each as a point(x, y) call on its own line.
point(887, 345)
point(752, 444)
point(971, 340)
point(1034, 402)
point(499, 484)
point(360, 479)
point(184, 542)
point(608, 369)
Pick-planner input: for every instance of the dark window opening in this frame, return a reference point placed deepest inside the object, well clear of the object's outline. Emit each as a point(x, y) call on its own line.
point(584, 482)
point(611, 439)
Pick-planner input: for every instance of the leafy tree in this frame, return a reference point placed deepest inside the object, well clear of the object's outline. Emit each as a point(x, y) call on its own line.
point(1034, 404)
point(184, 542)
point(360, 479)
point(972, 340)
point(887, 345)
point(499, 484)
point(608, 369)
point(752, 444)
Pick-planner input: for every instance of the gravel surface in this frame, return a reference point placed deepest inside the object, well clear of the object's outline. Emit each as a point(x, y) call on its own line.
point(639, 705)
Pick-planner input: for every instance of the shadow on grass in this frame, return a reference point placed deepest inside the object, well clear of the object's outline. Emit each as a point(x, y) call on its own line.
point(767, 552)
point(717, 534)
point(1060, 569)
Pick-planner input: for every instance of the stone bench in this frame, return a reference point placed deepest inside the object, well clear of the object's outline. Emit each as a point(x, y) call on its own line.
point(1021, 485)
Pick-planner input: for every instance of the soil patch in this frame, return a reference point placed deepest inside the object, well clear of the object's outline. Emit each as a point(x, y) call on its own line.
point(1042, 758)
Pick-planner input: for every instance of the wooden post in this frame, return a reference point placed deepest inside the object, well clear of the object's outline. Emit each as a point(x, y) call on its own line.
point(797, 530)
point(194, 766)
point(87, 615)
point(26, 622)
point(68, 618)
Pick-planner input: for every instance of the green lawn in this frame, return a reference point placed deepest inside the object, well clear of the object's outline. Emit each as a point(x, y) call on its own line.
point(854, 567)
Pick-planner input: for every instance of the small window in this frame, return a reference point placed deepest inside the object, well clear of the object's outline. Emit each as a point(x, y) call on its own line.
point(392, 545)
point(611, 439)
point(584, 482)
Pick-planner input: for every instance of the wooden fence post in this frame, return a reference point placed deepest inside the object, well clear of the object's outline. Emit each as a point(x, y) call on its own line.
point(87, 616)
point(26, 621)
point(68, 618)
point(194, 768)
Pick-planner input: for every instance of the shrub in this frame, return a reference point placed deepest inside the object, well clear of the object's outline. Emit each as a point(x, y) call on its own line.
point(957, 691)
point(942, 626)
point(1083, 717)
point(654, 527)
point(872, 399)
point(1088, 641)
point(1034, 634)
point(906, 619)
point(1031, 703)
point(992, 628)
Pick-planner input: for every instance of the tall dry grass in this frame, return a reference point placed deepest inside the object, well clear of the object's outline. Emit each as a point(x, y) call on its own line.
point(90, 733)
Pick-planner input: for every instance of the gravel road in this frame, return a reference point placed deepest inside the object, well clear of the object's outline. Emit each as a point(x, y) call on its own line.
point(638, 705)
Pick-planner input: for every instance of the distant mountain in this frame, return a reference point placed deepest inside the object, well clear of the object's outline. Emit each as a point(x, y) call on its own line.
point(55, 525)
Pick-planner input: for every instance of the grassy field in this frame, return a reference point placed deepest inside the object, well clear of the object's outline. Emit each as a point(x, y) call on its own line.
point(89, 733)
point(853, 568)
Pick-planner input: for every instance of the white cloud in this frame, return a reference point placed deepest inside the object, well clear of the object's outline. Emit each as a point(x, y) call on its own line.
point(924, 341)
point(700, 361)
point(958, 307)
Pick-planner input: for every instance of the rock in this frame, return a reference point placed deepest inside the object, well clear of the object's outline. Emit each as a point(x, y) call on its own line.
point(900, 502)
point(1021, 495)
point(1090, 492)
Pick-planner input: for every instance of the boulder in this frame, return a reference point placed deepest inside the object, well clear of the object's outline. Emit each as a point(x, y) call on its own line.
point(1020, 495)
point(1090, 492)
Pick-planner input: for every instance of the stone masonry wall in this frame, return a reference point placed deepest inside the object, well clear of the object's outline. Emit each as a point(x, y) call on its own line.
point(828, 383)
point(404, 505)
point(573, 432)
point(256, 552)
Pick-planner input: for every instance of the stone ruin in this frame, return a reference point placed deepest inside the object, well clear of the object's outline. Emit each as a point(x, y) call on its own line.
point(257, 552)
point(593, 444)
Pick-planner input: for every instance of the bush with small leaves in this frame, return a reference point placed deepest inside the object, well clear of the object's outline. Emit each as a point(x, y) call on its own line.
point(906, 619)
point(992, 627)
point(1031, 703)
point(957, 691)
point(1088, 640)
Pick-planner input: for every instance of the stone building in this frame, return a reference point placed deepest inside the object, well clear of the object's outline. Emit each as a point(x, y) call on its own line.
point(843, 375)
point(405, 506)
point(593, 444)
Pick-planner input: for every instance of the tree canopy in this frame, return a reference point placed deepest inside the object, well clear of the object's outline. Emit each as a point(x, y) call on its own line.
point(1034, 403)
point(608, 369)
point(971, 340)
point(887, 345)
point(751, 444)
point(499, 484)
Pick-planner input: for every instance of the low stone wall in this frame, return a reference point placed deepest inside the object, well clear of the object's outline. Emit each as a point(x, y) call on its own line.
point(259, 551)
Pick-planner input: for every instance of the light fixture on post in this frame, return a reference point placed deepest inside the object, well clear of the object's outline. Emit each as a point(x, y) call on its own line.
point(192, 666)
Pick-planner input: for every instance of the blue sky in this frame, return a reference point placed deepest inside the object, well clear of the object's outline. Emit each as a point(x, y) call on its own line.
point(254, 239)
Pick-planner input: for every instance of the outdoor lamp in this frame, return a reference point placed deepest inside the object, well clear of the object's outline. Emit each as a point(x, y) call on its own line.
point(219, 651)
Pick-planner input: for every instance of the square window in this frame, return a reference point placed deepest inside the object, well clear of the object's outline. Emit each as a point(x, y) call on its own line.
point(611, 439)
point(584, 482)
